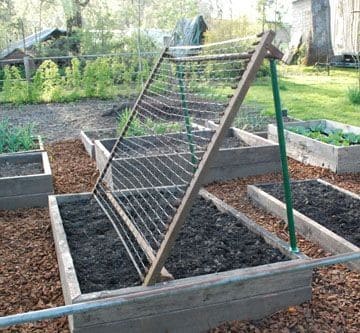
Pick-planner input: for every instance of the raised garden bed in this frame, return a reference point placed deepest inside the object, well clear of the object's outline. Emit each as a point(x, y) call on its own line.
point(88, 137)
point(38, 146)
point(324, 213)
point(25, 180)
point(217, 244)
point(242, 154)
point(340, 159)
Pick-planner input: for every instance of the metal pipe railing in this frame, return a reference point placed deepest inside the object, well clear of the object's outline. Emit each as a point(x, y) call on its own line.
point(72, 309)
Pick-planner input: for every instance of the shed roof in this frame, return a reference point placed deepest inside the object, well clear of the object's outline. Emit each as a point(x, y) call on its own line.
point(30, 41)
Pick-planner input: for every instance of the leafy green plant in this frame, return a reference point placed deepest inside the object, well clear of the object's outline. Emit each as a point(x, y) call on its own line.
point(354, 95)
point(321, 133)
point(97, 78)
point(47, 85)
point(149, 126)
point(16, 138)
point(15, 88)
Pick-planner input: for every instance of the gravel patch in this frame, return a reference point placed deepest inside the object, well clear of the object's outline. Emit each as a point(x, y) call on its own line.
point(59, 121)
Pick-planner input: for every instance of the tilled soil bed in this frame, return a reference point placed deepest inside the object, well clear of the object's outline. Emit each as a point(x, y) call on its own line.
point(209, 242)
point(165, 145)
point(333, 209)
point(8, 169)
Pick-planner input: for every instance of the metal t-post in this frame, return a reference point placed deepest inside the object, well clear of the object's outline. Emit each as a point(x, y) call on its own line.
point(284, 164)
point(180, 75)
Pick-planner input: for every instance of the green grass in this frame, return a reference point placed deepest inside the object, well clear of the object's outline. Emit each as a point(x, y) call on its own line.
point(310, 95)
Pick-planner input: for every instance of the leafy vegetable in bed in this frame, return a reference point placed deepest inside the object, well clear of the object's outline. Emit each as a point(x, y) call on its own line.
point(321, 133)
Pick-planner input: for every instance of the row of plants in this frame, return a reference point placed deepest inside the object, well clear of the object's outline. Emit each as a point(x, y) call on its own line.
point(99, 78)
point(146, 127)
point(16, 138)
point(321, 133)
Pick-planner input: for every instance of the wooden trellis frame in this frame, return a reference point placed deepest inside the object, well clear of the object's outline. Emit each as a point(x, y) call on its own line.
point(263, 49)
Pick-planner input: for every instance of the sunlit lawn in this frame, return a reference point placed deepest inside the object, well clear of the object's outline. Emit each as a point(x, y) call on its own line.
point(308, 94)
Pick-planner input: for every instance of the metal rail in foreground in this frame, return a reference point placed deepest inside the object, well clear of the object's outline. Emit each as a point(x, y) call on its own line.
point(66, 310)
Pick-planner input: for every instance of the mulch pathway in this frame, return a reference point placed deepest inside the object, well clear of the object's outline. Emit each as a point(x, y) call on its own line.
point(29, 274)
point(29, 278)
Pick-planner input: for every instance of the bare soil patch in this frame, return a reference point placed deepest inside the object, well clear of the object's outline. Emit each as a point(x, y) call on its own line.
point(9, 169)
point(59, 121)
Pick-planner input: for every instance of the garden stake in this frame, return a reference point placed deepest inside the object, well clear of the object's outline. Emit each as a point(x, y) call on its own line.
point(284, 164)
point(180, 75)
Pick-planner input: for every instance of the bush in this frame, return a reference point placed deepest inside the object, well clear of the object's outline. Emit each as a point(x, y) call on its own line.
point(354, 95)
point(47, 85)
point(15, 88)
point(97, 78)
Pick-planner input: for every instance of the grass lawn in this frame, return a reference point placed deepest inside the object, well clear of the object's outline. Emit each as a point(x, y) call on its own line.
point(310, 95)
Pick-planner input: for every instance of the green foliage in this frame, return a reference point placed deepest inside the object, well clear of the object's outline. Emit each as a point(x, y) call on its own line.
point(73, 74)
point(321, 133)
point(354, 95)
point(13, 139)
point(98, 78)
point(15, 88)
point(149, 126)
point(48, 84)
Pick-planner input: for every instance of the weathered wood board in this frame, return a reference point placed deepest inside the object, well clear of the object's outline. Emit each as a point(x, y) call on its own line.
point(26, 191)
point(88, 137)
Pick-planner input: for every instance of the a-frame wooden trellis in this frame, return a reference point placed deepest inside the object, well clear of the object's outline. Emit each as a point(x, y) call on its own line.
point(124, 202)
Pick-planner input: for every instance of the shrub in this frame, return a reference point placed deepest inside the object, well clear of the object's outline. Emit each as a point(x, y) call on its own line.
point(73, 74)
point(354, 95)
point(47, 85)
point(16, 138)
point(97, 78)
point(15, 88)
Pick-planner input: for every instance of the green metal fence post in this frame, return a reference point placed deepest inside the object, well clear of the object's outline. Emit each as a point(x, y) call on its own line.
point(180, 75)
point(284, 164)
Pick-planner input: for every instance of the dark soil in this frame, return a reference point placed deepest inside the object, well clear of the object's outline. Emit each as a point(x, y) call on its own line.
point(8, 169)
point(58, 121)
point(100, 259)
point(103, 134)
point(164, 145)
point(334, 210)
point(209, 242)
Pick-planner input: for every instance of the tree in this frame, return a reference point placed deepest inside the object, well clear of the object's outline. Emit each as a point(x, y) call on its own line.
point(73, 13)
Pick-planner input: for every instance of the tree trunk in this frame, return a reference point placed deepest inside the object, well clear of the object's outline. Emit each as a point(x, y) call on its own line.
point(319, 39)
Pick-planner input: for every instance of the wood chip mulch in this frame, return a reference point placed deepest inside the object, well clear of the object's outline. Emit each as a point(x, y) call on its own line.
point(30, 280)
point(335, 305)
point(29, 275)
point(72, 168)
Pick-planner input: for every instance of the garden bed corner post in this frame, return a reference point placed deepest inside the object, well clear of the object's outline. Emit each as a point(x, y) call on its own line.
point(284, 164)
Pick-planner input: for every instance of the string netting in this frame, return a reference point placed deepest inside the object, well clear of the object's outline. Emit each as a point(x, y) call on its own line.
point(163, 142)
